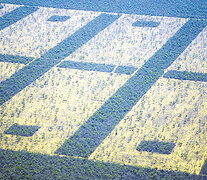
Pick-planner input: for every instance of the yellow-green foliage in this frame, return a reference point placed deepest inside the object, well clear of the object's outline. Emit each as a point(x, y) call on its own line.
point(194, 58)
point(126, 45)
point(7, 69)
point(33, 35)
point(172, 111)
point(7, 8)
point(63, 99)
point(59, 102)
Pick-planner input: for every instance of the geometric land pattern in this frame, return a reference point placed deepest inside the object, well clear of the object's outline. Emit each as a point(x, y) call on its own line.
point(101, 85)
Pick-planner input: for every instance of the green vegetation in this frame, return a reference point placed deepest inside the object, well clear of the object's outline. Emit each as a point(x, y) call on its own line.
point(40, 66)
point(58, 18)
point(24, 165)
point(184, 75)
point(156, 146)
point(146, 24)
point(98, 67)
point(103, 121)
point(115, 120)
point(15, 59)
point(21, 130)
point(15, 16)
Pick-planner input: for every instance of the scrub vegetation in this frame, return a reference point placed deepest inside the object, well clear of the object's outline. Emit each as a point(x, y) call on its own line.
point(21, 164)
point(93, 95)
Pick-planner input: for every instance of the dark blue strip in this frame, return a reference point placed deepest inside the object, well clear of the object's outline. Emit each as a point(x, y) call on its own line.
point(146, 24)
point(15, 59)
point(185, 75)
point(1, 6)
point(22, 79)
point(156, 147)
point(97, 67)
point(58, 18)
point(80, 37)
point(37, 68)
point(22, 130)
point(15, 15)
point(87, 66)
point(125, 70)
point(175, 8)
point(90, 135)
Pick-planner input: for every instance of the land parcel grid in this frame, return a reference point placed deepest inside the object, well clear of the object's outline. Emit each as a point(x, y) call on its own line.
point(106, 114)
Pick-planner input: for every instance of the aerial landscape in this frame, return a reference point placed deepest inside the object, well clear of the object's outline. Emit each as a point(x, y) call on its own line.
point(103, 89)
